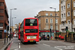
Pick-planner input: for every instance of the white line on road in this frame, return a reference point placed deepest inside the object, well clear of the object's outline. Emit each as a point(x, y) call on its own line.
point(58, 48)
point(15, 49)
point(47, 41)
point(54, 47)
point(19, 45)
point(46, 45)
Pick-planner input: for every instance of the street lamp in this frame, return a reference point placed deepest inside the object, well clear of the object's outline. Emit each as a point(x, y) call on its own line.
point(55, 20)
point(10, 20)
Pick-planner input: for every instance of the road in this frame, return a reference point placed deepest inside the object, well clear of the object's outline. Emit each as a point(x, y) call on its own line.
point(42, 45)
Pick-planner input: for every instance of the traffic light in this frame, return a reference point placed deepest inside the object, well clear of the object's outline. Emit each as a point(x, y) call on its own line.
point(7, 28)
point(66, 28)
point(50, 30)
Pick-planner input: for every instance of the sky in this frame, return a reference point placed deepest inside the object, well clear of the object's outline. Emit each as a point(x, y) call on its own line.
point(29, 8)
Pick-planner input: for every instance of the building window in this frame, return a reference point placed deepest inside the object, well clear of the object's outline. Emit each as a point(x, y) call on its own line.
point(74, 3)
point(56, 20)
point(1, 24)
point(68, 13)
point(47, 26)
point(1, 10)
point(56, 14)
point(51, 26)
point(68, 22)
point(1, 17)
point(51, 21)
point(61, 7)
point(74, 22)
point(64, 7)
point(68, 5)
point(74, 12)
point(64, 15)
point(1, 4)
point(63, 23)
point(46, 14)
point(51, 14)
point(46, 20)
point(61, 2)
point(56, 27)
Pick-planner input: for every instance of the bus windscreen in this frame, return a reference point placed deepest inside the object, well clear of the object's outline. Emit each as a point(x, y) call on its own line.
point(31, 22)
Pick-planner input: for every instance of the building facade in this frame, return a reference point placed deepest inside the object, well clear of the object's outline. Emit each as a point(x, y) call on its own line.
point(3, 18)
point(67, 7)
point(47, 22)
point(15, 28)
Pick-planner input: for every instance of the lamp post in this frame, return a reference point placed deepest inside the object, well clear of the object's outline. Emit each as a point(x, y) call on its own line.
point(10, 21)
point(55, 21)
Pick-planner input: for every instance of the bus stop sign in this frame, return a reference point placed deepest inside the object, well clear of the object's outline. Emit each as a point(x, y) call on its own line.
point(5, 31)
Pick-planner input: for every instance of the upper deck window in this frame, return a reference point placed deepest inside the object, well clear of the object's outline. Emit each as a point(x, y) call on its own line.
point(31, 22)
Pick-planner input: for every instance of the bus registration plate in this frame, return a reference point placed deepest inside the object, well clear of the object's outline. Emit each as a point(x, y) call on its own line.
point(31, 40)
point(31, 37)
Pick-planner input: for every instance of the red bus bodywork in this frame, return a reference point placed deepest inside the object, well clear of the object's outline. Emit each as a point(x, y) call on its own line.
point(27, 32)
point(19, 33)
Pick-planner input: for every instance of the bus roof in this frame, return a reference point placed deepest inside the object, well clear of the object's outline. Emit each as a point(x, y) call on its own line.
point(30, 18)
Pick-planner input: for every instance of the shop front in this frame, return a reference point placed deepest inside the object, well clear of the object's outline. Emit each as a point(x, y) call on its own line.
point(41, 33)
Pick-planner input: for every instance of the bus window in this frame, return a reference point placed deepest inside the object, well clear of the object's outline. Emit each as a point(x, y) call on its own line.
point(31, 22)
point(31, 30)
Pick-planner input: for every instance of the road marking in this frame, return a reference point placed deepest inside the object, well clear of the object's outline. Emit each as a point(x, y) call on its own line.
point(58, 48)
point(46, 45)
point(16, 49)
point(19, 45)
point(47, 41)
point(54, 47)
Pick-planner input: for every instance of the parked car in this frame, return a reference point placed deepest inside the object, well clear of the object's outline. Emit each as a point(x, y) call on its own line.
point(39, 38)
point(61, 37)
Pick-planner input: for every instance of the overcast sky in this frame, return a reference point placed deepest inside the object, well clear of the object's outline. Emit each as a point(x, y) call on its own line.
point(29, 8)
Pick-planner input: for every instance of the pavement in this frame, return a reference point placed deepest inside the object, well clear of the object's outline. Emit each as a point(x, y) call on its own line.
point(42, 45)
point(4, 45)
point(1, 43)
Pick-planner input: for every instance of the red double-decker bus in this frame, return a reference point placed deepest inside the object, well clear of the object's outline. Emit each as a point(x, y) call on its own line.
point(29, 30)
point(19, 33)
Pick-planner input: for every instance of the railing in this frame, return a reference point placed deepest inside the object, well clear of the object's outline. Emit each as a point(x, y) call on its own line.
point(63, 26)
point(63, 19)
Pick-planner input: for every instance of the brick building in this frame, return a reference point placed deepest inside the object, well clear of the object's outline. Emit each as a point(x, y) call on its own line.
point(47, 21)
point(3, 18)
point(67, 15)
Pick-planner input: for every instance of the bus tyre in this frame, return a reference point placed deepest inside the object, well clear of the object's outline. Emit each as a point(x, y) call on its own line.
point(34, 42)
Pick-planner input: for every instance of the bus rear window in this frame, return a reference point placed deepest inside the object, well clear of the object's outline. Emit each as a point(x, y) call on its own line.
point(31, 22)
point(31, 30)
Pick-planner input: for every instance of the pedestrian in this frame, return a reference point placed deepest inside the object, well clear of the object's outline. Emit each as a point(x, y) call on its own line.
point(48, 37)
point(51, 37)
